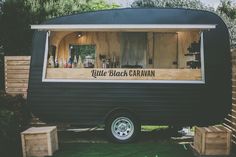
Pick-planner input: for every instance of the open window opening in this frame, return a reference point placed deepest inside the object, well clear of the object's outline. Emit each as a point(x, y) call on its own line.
point(115, 56)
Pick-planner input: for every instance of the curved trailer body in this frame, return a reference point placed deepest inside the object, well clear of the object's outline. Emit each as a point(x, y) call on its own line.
point(153, 102)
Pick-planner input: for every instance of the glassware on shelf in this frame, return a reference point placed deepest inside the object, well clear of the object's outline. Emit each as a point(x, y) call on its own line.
point(74, 64)
point(56, 63)
point(65, 63)
point(88, 62)
point(104, 65)
point(61, 63)
point(113, 63)
point(51, 62)
point(79, 64)
point(69, 63)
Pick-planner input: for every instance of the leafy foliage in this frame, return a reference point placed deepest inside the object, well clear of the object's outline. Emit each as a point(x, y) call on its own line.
point(43, 10)
point(226, 10)
point(15, 33)
point(191, 4)
point(83, 51)
point(14, 118)
point(231, 24)
point(18, 15)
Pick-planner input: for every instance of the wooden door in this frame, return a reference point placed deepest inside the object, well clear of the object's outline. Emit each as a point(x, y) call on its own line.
point(165, 50)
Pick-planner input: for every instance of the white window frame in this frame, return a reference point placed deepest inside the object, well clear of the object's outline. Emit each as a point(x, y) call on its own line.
point(202, 81)
point(123, 27)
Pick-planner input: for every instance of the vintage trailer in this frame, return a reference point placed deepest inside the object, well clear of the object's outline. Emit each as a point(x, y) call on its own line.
point(127, 67)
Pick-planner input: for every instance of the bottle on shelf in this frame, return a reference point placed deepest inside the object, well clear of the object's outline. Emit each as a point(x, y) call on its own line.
point(65, 63)
point(79, 64)
point(69, 62)
point(74, 64)
point(56, 63)
point(60, 63)
point(51, 62)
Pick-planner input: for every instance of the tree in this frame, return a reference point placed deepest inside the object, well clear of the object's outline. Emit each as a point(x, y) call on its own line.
point(191, 4)
point(43, 10)
point(228, 8)
point(15, 33)
point(226, 11)
point(18, 15)
point(1, 3)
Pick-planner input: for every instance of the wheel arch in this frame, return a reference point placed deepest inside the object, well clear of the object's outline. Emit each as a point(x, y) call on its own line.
point(120, 110)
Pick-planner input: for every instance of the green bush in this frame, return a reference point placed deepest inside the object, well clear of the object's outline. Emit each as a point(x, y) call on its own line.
point(14, 118)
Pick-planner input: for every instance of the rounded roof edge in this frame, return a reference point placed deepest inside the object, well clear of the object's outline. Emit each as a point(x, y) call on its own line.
point(134, 9)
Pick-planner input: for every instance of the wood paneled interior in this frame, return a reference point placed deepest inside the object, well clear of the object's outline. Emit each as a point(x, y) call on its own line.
point(150, 50)
point(17, 74)
point(184, 41)
point(109, 43)
point(165, 50)
point(160, 74)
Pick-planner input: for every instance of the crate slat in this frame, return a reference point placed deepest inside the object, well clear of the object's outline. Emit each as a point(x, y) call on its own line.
point(213, 140)
point(39, 141)
point(17, 74)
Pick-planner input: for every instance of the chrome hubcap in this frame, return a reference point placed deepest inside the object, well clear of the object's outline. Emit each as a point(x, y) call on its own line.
point(122, 128)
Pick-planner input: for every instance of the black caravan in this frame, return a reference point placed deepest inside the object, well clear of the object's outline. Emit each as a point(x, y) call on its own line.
point(127, 67)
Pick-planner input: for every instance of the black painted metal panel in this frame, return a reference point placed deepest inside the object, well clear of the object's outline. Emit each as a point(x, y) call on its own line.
point(156, 103)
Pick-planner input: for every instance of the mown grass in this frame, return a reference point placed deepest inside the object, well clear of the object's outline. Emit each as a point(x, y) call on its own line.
point(149, 149)
point(154, 142)
point(153, 127)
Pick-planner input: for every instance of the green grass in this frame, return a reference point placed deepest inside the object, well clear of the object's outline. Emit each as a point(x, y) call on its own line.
point(153, 127)
point(149, 149)
point(150, 144)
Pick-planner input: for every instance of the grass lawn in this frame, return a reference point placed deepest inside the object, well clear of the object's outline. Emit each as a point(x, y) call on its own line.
point(154, 141)
point(153, 127)
point(149, 149)
point(94, 144)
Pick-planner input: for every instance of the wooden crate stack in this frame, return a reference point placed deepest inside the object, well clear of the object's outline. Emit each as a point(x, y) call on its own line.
point(231, 121)
point(17, 74)
point(213, 140)
point(39, 141)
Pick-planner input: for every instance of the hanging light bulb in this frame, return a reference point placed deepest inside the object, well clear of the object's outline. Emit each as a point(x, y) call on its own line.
point(79, 34)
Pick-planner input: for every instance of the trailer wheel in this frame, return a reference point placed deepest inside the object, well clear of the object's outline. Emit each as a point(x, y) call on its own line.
point(122, 127)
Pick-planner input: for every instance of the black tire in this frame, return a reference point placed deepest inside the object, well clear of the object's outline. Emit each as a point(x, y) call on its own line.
point(119, 127)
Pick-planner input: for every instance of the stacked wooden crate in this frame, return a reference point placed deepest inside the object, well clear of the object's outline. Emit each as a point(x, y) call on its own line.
point(17, 74)
point(213, 140)
point(233, 112)
point(39, 141)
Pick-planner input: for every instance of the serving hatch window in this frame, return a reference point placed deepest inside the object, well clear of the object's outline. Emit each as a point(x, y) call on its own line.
point(115, 56)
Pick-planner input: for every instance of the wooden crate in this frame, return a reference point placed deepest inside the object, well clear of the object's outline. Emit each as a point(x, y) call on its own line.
point(214, 140)
point(39, 141)
point(17, 74)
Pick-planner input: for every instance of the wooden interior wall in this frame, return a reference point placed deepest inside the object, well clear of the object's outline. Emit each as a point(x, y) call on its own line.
point(184, 41)
point(17, 74)
point(165, 50)
point(107, 43)
point(150, 50)
point(56, 37)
